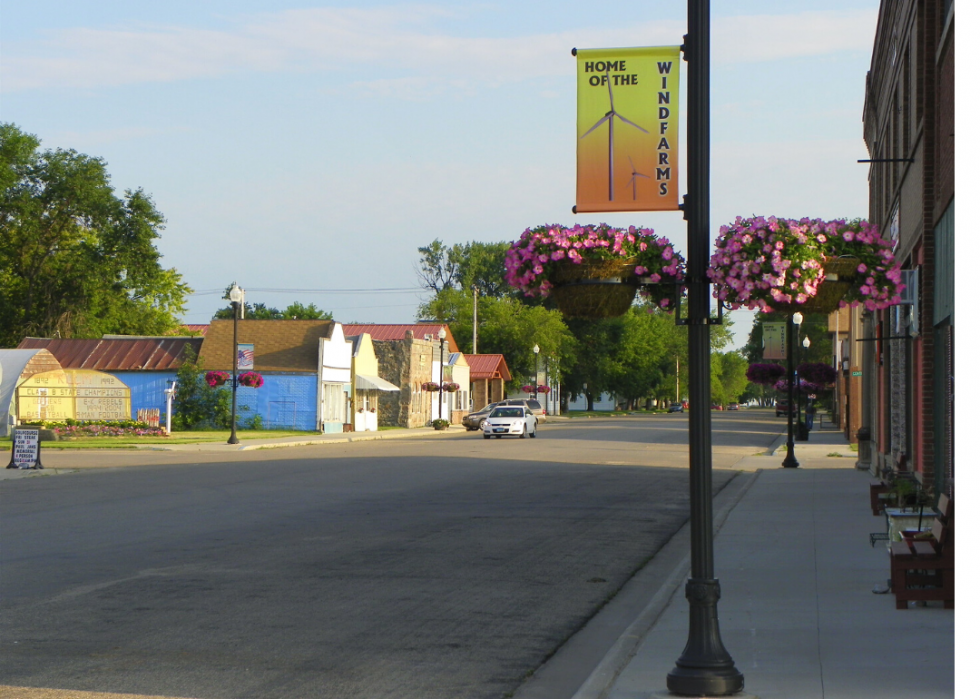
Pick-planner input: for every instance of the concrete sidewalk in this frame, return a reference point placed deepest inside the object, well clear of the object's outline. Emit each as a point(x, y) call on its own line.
point(797, 612)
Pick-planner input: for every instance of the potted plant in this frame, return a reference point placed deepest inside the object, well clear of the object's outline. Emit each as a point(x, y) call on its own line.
point(216, 378)
point(430, 386)
point(594, 271)
point(440, 424)
point(776, 264)
point(544, 389)
point(450, 387)
point(251, 379)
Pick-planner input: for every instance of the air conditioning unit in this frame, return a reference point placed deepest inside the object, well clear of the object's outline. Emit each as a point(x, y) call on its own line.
point(906, 313)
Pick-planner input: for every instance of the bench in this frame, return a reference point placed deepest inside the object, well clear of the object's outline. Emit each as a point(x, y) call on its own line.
point(922, 563)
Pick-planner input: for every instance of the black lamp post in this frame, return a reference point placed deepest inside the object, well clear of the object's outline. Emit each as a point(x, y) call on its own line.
point(791, 320)
point(705, 668)
point(235, 295)
point(442, 345)
point(536, 350)
point(804, 411)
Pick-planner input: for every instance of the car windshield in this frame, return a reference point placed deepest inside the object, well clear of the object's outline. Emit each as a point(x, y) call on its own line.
point(508, 412)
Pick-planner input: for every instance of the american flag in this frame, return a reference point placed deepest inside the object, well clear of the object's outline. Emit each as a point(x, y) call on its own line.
point(246, 356)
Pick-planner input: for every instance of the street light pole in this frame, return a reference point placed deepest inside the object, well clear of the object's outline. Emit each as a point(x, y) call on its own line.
point(705, 668)
point(536, 350)
point(805, 412)
point(790, 461)
point(442, 344)
point(235, 295)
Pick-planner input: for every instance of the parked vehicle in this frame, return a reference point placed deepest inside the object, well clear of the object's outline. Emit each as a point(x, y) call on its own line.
point(510, 420)
point(733, 406)
point(782, 408)
point(474, 421)
point(675, 408)
point(530, 403)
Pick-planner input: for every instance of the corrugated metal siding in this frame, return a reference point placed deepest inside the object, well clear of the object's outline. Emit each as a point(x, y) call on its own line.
point(111, 355)
point(944, 292)
point(487, 366)
point(147, 389)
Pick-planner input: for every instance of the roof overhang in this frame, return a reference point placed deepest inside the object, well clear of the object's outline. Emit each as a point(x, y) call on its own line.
point(374, 383)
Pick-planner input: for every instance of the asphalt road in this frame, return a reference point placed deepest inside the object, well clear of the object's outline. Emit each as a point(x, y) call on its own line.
point(415, 568)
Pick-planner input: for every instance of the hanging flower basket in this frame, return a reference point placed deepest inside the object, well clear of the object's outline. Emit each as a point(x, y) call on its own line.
point(450, 387)
point(251, 379)
point(593, 271)
point(804, 386)
point(216, 378)
point(765, 374)
point(527, 388)
point(806, 265)
point(840, 273)
point(818, 373)
point(544, 389)
point(430, 386)
point(595, 288)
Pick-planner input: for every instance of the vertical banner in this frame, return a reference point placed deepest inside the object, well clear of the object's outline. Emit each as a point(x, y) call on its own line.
point(628, 109)
point(774, 340)
point(246, 356)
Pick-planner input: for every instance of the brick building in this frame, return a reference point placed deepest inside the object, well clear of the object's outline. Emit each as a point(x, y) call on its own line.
point(906, 352)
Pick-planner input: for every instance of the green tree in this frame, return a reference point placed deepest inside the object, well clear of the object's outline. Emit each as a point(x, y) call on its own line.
point(75, 260)
point(259, 311)
point(728, 380)
point(463, 267)
point(644, 360)
point(198, 406)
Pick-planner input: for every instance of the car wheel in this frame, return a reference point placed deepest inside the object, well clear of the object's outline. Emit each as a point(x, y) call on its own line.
point(534, 433)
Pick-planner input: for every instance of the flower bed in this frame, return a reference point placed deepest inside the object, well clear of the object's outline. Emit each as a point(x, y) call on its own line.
point(76, 429)
point(590, 260)
point(772, 264)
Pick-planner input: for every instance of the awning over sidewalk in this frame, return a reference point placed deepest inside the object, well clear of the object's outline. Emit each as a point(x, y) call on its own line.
point(374, 383)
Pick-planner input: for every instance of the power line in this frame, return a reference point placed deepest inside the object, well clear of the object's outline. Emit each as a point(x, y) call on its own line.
point(211, 292)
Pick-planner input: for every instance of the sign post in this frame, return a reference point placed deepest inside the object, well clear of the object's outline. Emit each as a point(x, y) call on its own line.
point(25, 448)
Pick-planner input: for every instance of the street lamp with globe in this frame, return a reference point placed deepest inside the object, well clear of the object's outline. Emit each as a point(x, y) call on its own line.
point(235, 295)
point(794, 320)
point(536, 350)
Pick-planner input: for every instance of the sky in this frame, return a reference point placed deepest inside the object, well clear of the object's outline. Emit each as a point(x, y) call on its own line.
point(307, 149)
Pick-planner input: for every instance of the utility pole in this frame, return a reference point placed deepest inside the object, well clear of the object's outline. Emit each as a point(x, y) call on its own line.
point(475, 291)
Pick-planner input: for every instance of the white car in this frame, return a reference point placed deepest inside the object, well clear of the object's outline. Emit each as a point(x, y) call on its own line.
point(510, 419)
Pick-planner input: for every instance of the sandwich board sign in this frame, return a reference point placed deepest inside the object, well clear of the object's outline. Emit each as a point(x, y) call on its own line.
point(25, 450)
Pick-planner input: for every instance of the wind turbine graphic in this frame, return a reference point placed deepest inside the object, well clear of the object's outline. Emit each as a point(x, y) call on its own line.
point(609, 117)
point(633, 178)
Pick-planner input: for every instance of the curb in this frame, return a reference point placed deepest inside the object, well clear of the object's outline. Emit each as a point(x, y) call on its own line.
point(625, 649)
